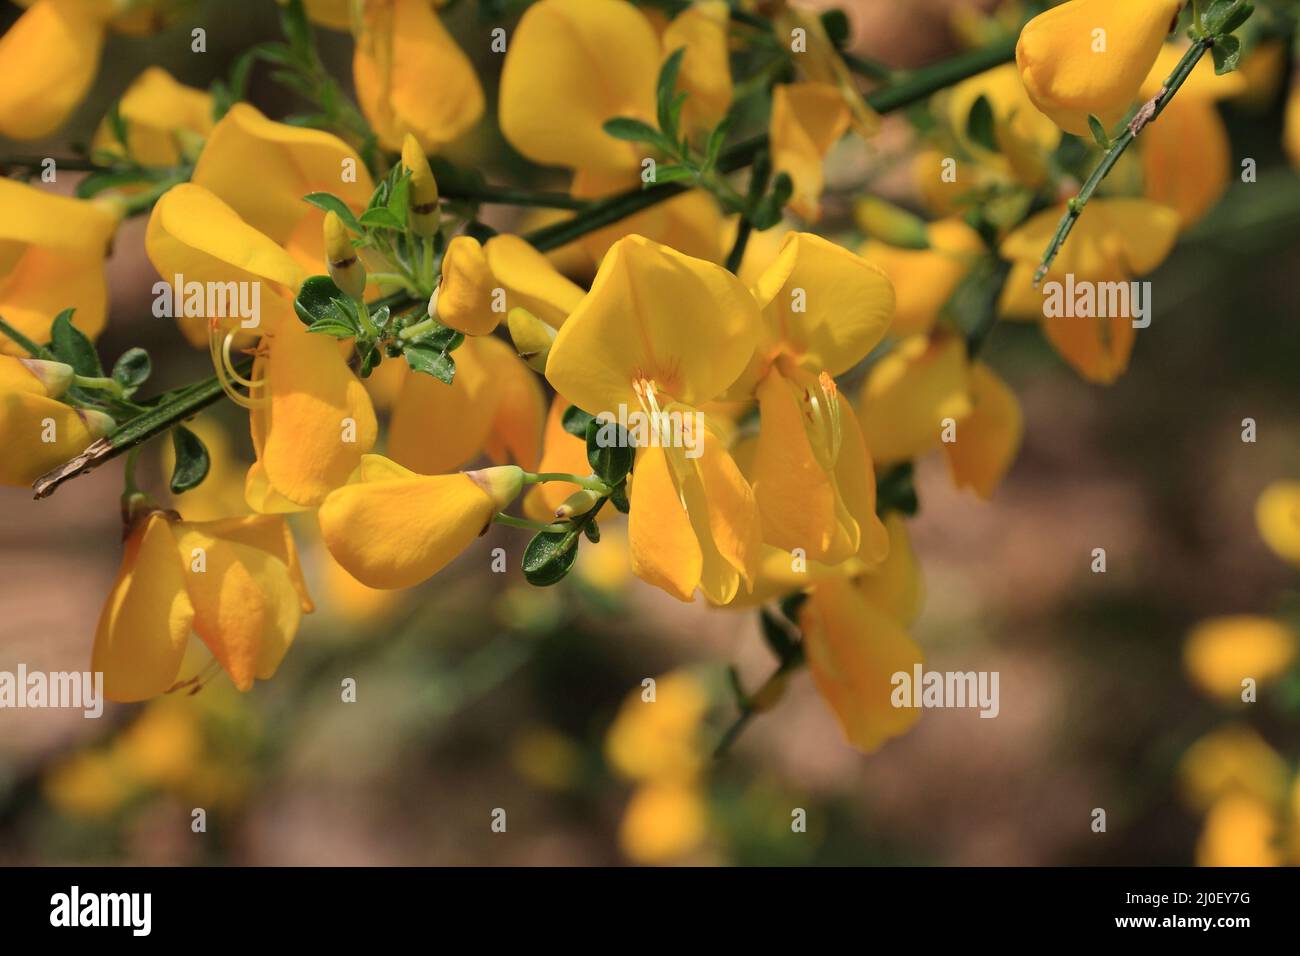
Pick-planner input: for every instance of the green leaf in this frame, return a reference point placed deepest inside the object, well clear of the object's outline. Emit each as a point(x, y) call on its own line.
point(315, 299)
point(635, 131)
point(192, 460)
point(431, 361)
point(549, 557)
point(132, 368)
point(117, 125)
point(370, 361)
point(1224, 16)
point(339, 328)
point(96, 183)
point(836, 24)
point(1098, 132)
point(713, 149)
point(381, 217)
point(769, 210)
point(610, 462)
point(666, 93)
point(671, 174)
point(331, 203)
point(399, 199)
point(575, 421)
point(896, 491)
point(1227, 54)
point(70, 346)
point(980, 125)
point(297, 29)
point(618, 498)
point(777, 637)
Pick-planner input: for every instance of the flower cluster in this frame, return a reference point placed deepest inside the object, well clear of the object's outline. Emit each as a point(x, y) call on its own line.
point(673, 341)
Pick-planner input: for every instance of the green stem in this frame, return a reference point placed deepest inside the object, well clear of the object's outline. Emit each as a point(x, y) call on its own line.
point(32, 349)
point(1146, 114)
point(509, 196)
point(419, 328)
point(512, 522)
point(591, 484)
point(155, 421)
point(109, 385)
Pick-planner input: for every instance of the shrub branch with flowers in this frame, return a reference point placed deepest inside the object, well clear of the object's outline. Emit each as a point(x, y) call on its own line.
point(789, 380)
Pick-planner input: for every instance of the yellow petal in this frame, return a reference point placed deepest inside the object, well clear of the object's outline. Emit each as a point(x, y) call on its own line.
point(320, 420)
point(516, 433)
point(1114, 238)
point(192, 233)
point(925, 279)
point(1277, 516)
point(145, 622)
point(895, 586)
point(269, 533)
point(909, 394)
point(531, 282)
point(411, 77)
point(724, 513)
point(705, 74)
point(1232, 759)
point(246, 609)
point(691, 223)
point(796, 496)
point(855, 477)
point(468, 297)
point(1014, 114)
point(437, 428)
point(48, 59)
point(685, 325)
point(395, 533)
point(572, 65)
point(807, 120)
point(1192, 181)
point(664, 820)
point(826, 306)
point(988, 438)
point(1202, 83)
point(1222, 652)
point(1091, 56)
point(156, 109)
point(291, 161)
point(853, 651)
point(664, 549)
point(27, 420)
point(331, 14)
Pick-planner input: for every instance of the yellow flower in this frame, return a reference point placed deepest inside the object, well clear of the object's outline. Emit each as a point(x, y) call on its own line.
point(1091, 56)
point(393, 528)
point(290, 162)
point(235, 582)
point(331, 14)
point(1232, 760)
point(807, 120)
point(87, 784)
point(37, 431)
point(853, 650)
point(162, 119)
point(659, 739)
point(425, 213)
point(908, 395)
point(494, 404)
point(661, 332)
point(1223, 651)
point(1239, 831)
point(48, 58)
point(824, 309)
point(411, 77)
point(311, 418)
point(663, 821)
point(1115, 240)
point(1277, 515)
point(1025, 137)
point(925, 279)
point(52, 252)
point(480, 283)
point(986, 440)
point(705, 75)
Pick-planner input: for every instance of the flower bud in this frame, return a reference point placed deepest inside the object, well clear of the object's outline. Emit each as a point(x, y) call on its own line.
point(425, 213)
point(55, 377)
point(502, 483)
point(345, 266)
point(464, 300)
point(884, 221)
point(532, 338)
point(97, 423)
point(577, 504)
